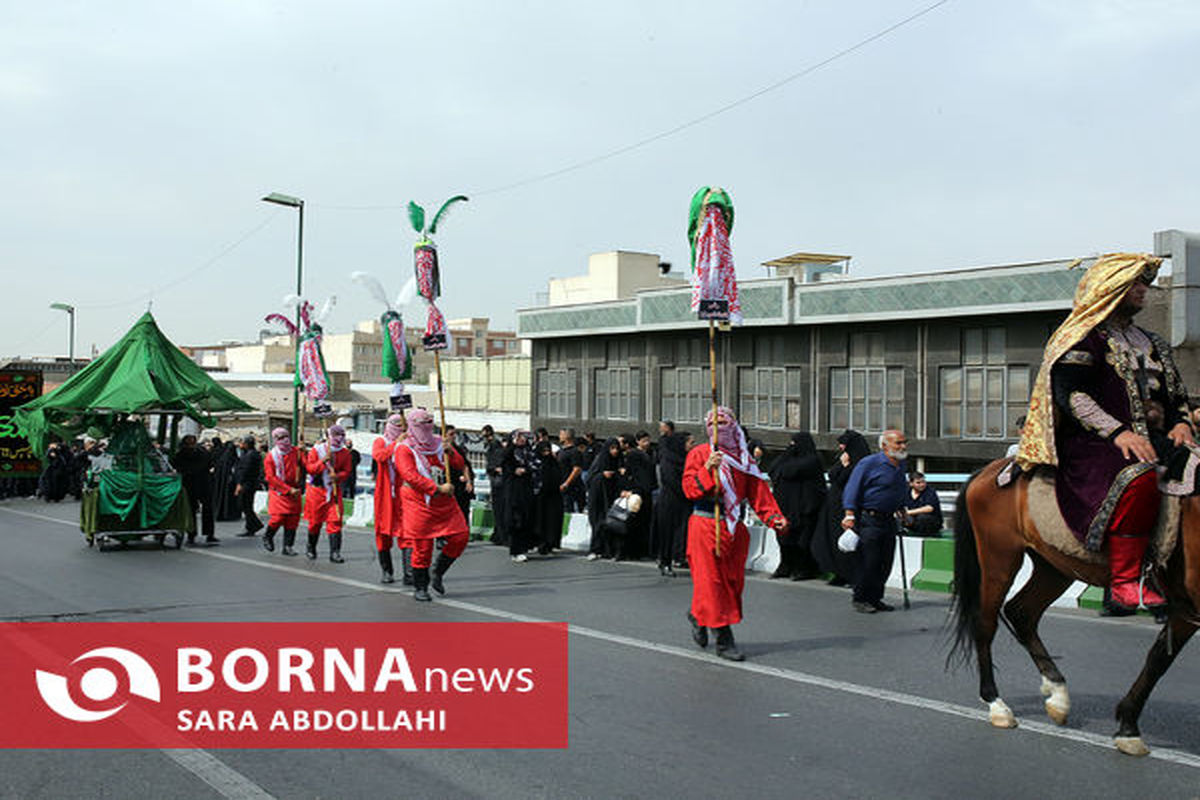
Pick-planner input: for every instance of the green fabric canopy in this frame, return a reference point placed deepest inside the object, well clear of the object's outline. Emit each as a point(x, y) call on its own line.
point(142, 373)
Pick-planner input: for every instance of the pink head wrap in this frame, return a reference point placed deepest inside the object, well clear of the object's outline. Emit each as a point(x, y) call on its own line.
point(337, 437)
point(420, 432)
point(730, 438)
point(282, 440)
point(394, 427)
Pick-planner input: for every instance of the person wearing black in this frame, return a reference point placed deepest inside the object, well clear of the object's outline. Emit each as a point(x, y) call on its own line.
point(518, 470)
point(247, 476)
point(852, 448)
point(603, 489)
point(462, 480)
point(637, 477)
point(570, 465)
point(669, 530)
point(350, 487)
point(547, 499)
point(56, 477)
point(494, 464)
point(193, 465)
point(798, 483)
point(224, 461)
point(922, 508)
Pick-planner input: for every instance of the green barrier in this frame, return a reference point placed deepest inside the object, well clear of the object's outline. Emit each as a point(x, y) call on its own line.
point(937, 566)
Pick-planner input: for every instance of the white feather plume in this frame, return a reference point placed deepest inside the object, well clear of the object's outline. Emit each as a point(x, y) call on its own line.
point(407, 293)
point(372, 285)
point(326, 310)
point(291, 300)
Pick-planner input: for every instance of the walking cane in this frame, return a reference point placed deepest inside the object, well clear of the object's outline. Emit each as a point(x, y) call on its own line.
point(903, 569)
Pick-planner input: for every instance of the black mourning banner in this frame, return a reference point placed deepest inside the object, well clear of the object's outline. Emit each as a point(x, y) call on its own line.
point(17, 459)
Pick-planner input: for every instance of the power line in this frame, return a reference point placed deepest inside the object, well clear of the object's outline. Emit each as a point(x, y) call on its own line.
point(588, 162)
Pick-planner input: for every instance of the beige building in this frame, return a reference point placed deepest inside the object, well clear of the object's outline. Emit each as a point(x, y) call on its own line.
point(613, 276)
point(486, 384)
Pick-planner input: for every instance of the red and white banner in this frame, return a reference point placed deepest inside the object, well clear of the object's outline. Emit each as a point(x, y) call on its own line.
point(275, 684)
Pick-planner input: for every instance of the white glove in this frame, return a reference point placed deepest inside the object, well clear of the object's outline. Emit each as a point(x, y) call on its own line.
point(848, 541)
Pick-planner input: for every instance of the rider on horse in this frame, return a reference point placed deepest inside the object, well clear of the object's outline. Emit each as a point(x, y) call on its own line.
point(1108, 395)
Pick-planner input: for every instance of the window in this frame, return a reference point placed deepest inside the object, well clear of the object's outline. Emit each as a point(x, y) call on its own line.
point(556, 393)
point(868, 399)
point(769, 396)
point(983, 398)
point(686, 393)
point(868, 395)
point(618, 393)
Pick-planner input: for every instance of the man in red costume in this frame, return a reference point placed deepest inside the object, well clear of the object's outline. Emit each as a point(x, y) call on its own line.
point(285, 483)
point(718, 579)
point(427, 499)
point(389, 523)
point(328, 466)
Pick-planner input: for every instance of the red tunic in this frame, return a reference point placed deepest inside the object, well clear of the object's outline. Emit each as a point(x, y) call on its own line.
point(318, 507)
point(388, 519)
point(427, 514)
point(717, 582)
point(281, 504)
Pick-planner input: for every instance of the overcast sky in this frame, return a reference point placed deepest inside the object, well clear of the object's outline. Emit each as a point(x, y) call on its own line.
point(138, 138)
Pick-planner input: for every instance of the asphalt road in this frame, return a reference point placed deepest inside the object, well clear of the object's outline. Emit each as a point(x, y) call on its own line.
point(830, 703)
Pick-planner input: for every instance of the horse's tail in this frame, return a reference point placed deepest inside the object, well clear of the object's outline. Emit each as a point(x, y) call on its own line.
point(965, 589)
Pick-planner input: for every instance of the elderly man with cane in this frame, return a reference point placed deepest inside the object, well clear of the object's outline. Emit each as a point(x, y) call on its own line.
point(871, 499)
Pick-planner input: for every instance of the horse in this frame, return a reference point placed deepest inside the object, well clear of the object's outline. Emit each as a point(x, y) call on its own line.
point(993, 530)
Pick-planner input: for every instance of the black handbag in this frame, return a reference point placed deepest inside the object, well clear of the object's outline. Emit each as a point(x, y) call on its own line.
point(617, 517)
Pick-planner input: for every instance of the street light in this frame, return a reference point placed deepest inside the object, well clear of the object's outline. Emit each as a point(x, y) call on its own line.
point(70, 313)
point(297, 203)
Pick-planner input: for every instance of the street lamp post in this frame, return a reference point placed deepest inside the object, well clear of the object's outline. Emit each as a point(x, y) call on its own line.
point(70, 313)
point(297, 203)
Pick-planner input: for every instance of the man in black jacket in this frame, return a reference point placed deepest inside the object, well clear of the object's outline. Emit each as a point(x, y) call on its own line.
point(247, 476)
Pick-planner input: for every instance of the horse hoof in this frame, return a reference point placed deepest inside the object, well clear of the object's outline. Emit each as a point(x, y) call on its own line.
point(1058, 702)
point(1000, 715)
point(1131, 745)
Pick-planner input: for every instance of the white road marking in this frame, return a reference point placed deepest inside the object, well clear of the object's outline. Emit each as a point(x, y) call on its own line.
point(897, 698)
point(224, 779)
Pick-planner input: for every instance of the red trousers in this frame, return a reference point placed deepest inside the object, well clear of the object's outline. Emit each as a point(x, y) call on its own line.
point(717, 583)
point(422, 555)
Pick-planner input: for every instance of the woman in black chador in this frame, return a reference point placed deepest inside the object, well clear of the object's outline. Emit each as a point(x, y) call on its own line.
point(548, 500)
point(798, 483)
point(672, 509)
point(518, 470)
point(852, 449)
point(224, 459)
point(603, 489)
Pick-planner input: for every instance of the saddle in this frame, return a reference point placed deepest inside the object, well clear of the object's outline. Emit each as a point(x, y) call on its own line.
point(1044, 513)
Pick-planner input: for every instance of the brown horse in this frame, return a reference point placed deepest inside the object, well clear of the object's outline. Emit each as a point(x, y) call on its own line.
point(993, 531)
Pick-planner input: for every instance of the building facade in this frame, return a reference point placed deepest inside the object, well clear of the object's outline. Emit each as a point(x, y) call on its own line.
point(949, 357)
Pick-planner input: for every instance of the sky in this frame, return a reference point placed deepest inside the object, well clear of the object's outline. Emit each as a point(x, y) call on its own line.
point(139, 138)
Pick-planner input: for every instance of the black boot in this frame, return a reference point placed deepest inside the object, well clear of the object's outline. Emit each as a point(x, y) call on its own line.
point(311, 552)
point(699, 632)
point(726, 648)
point(439, 569)
point(421, 584)
point(289, 539)
point(269, 539)
point(335, 548)
point(406, 568)
point(385, 564)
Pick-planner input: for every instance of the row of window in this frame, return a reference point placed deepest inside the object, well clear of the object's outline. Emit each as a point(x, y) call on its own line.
point(976, 402)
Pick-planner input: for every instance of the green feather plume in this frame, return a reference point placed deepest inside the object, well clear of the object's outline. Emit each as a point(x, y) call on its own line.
point(445, 207)
point(416, 216)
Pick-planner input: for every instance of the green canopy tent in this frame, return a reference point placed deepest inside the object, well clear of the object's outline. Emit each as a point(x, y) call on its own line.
point(143, 373)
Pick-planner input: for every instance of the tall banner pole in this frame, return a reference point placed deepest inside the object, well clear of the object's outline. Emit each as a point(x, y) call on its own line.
point(714, 297)
point(716, 473)
point(437, 367)
point(429, 286)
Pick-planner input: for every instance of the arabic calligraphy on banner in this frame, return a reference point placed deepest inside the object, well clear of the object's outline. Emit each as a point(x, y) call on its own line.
point(17, 458)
